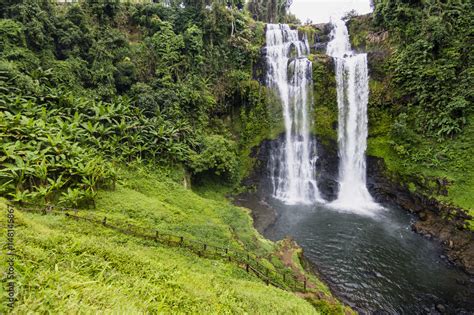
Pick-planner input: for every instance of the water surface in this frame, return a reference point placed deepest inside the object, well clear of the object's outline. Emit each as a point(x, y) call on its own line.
point(376, 264)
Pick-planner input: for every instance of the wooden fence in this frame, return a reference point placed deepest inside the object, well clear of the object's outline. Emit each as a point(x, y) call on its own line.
point(285, 280)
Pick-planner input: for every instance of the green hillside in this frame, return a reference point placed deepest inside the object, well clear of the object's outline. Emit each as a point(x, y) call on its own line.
point(64, 265)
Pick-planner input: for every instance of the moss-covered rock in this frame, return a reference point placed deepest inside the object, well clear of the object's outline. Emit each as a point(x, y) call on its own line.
point(325, 112)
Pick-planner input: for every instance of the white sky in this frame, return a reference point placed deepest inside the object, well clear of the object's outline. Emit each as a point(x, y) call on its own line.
point(320, 11)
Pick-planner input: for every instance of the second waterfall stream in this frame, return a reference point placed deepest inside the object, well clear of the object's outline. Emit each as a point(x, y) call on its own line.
point(352, 98)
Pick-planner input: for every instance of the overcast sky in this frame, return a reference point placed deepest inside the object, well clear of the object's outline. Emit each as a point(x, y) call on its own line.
point(320, 11)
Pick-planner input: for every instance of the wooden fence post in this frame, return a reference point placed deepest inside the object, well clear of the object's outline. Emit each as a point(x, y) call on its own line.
point(292, 281)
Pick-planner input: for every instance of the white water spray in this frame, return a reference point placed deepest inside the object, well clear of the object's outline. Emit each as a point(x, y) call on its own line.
point(352, 98)
point(289, 74)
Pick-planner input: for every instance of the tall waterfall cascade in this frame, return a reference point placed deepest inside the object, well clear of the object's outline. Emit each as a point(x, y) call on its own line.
point(289, 75)
point(352, 98)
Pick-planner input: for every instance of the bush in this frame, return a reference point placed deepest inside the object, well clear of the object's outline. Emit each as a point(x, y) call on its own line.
point(217, 156)
point(11, 34)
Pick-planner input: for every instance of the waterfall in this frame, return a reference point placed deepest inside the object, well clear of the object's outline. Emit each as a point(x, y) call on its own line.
point(352, 98)
point(289, 75)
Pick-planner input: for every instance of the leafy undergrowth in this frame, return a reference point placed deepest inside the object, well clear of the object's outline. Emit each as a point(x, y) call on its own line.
point(73, 266)
point(447, 159)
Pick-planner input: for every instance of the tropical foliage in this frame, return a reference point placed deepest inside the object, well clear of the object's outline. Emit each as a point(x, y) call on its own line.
point(90, 85)
point(432, 65)
point(273, 11)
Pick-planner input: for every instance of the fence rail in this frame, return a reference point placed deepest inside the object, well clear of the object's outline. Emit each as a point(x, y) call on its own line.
point(285, 280)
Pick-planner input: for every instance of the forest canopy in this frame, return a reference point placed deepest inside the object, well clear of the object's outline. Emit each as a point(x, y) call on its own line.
point(88, 85)
point(432, 65)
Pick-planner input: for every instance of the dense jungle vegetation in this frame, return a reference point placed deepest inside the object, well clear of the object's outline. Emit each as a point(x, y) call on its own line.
point(88, 86)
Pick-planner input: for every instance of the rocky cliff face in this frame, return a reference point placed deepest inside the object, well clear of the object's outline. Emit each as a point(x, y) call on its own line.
point(326, 168)
point(443, 223)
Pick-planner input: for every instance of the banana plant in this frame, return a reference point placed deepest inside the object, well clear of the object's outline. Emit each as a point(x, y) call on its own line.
point(91, 128)
point(72, 196)
point(6, 186)
point(16, 172)
point(58, 183)
point(41, 192)
point(9, 149)
point(21, 195)
point(103, 112)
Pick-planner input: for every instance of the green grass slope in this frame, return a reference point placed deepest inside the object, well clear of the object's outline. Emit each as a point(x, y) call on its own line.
point(67, 266)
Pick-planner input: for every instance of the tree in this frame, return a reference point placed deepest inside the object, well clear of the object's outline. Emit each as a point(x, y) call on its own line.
point(167, 47)
point(271, 11)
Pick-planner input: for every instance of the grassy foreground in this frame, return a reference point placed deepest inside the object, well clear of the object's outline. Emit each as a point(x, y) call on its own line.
point(76, 267)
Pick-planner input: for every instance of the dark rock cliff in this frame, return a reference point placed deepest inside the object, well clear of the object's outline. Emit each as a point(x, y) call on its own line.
point(443, 223)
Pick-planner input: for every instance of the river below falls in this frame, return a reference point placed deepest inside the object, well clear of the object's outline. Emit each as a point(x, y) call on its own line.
point(375, 264)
